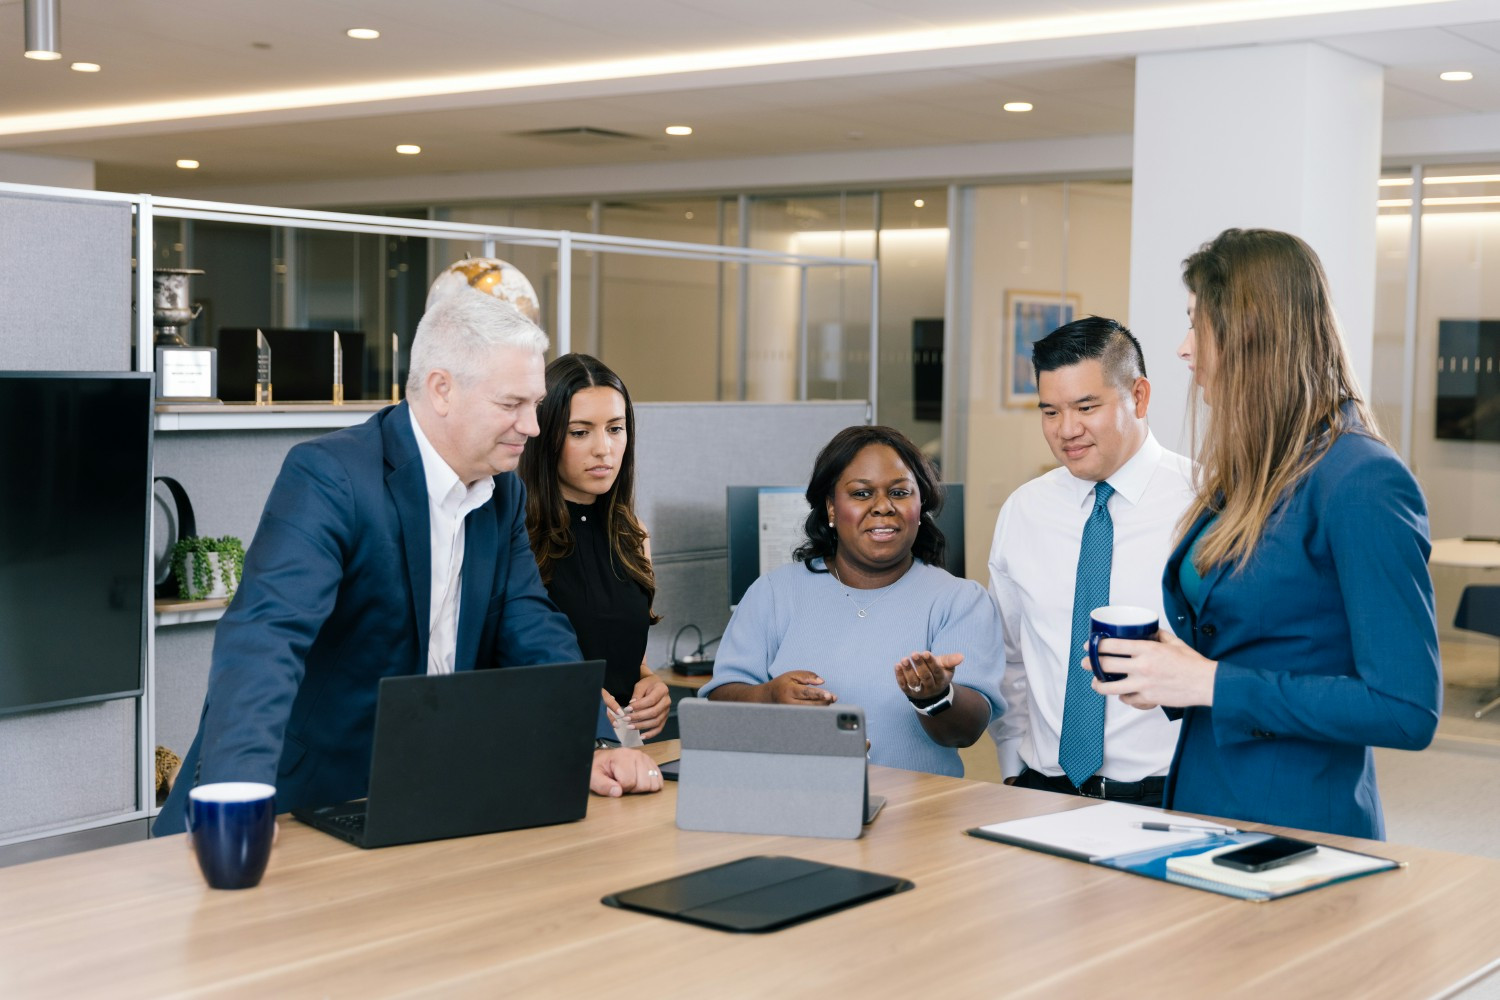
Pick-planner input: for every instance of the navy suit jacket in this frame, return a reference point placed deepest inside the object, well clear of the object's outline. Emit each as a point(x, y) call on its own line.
point(1327, 645)
point(335, 595)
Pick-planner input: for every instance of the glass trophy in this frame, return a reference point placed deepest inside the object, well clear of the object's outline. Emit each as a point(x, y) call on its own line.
point(338, 370)
point(262, 370)
point(395, 367)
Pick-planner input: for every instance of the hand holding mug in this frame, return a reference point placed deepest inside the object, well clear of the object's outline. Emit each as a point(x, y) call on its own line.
point(1163, 671)
point(1117, 621)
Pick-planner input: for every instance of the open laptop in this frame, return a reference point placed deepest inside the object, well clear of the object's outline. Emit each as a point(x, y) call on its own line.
point(778, 769)
point(476, 751)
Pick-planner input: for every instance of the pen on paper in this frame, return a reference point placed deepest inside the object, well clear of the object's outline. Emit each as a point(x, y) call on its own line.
point(1185, 828)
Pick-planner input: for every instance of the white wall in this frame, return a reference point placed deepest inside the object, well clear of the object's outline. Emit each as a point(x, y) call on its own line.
point(48, 171)
point(1278, 137)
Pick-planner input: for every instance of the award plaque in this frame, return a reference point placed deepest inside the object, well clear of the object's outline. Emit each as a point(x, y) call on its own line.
point(187, 374)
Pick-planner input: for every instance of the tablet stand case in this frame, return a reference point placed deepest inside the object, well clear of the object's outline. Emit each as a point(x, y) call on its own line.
point(772, 769)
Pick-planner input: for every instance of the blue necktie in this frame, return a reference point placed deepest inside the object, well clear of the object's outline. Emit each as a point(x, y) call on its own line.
point(1081, 746)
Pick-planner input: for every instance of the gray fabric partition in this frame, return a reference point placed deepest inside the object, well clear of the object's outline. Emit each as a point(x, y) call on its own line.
point(65, 305)
point(686, 454)
point(64, 284)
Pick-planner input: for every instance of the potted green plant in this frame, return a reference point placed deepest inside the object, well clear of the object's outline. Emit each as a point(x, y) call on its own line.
point(208, 567)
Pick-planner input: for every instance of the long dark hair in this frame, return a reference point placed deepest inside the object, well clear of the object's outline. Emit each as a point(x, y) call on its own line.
point(822, 540)
point(546, 511)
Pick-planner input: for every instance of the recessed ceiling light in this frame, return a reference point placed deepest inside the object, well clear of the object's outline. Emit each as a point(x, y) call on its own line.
point(408, 149)
point(918, 203)
point(1016, 106)
point(43, 55)
point(363, 34)
point(688, 216)
point(1456, 75)
point(188, 164)
point(679, 130)
point(82, 67)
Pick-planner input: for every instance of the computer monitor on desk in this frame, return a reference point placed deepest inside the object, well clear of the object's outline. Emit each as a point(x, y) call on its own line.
point(766, 525)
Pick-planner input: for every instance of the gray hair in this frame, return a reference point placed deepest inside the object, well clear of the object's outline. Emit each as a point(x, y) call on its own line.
point(460, 331)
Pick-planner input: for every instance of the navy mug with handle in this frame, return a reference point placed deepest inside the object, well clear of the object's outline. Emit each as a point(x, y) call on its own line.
point(1118, 621)
point(232, 824)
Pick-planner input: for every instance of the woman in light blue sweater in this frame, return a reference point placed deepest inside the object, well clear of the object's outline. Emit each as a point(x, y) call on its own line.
point(868, 617)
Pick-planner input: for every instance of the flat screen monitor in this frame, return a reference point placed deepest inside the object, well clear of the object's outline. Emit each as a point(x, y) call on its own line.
point(766, 526)
point(75, 508)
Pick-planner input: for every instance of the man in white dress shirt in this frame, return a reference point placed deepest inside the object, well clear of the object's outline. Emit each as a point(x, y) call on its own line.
point(1091, 382)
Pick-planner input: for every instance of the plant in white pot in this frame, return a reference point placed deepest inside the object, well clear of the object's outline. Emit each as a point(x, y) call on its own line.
point(207, 568)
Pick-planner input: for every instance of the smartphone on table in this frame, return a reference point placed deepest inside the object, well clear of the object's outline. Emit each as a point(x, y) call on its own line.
point(1266, 855)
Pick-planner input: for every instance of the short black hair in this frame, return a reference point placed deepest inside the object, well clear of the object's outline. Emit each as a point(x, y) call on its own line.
point(1097, 338)
point(822, 540)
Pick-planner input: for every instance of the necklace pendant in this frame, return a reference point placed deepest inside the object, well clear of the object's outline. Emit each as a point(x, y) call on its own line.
point(861, 614)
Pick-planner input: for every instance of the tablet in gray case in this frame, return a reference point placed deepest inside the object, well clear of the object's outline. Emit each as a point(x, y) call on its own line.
point(775, 769)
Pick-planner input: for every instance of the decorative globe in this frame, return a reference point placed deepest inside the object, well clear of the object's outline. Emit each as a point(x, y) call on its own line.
point(491, 276)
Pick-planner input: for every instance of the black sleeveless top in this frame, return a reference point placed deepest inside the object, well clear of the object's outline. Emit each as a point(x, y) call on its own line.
point(609, 610)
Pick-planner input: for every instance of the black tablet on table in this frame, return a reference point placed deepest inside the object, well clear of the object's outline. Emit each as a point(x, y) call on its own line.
point(760, 893)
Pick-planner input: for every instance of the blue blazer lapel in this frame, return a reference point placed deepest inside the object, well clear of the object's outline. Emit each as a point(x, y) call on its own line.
point(481, 552)
point(1177, 606)
point(407, 482)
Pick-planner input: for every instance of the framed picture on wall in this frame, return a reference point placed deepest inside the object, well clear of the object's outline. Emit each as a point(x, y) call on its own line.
point(1029, 316)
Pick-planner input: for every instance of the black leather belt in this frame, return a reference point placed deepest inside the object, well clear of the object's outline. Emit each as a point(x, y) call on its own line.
point(1100, 787)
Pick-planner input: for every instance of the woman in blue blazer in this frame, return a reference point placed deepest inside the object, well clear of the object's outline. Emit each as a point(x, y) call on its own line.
point(1298, 591)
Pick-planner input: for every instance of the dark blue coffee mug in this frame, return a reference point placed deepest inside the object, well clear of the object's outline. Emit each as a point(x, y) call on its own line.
point(1118, 621)
point(232, 824)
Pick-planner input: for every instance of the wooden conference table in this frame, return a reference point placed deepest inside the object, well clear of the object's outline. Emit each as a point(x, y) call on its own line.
point(518, 914)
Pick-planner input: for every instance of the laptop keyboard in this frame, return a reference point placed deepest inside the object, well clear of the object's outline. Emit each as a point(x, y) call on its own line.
point(353, 822)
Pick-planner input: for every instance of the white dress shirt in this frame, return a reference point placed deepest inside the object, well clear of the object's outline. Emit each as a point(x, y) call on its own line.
point(1033, 565)
point(449, 501)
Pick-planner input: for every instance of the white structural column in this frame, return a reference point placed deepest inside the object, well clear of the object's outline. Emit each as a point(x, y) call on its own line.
point(1274, 137)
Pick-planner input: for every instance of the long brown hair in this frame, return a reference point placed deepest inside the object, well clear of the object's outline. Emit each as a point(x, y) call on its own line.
point(1280, 380)
point(546, 511)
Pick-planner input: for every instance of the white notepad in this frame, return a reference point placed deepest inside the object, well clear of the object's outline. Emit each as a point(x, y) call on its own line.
point(1093, 833)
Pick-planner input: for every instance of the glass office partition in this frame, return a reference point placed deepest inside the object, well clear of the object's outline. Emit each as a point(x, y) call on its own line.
point(1456, 419)
point(538, 263)
point(1037, 254)
point(658, 317)
point(1392, 379)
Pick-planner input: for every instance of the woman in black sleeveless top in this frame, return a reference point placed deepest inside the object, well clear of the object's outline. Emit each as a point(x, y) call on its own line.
point(593, 554)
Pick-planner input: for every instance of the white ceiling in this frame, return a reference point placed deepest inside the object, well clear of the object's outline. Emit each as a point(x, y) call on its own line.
point(906, 91)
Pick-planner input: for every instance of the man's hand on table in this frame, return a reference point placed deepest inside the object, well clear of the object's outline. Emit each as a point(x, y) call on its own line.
point(622, 772)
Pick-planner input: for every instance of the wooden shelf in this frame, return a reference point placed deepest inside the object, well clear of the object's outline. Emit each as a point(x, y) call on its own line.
point(176, 612)
point(248, 416)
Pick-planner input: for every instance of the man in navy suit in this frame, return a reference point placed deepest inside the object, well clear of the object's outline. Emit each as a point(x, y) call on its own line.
point(389, 548)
